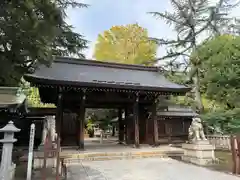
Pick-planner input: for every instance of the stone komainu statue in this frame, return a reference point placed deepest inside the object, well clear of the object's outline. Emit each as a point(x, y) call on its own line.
point(195, 131)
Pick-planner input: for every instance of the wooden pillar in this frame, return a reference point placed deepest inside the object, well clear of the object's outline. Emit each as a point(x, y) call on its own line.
point(147, 129)
point(113, 129)
point(126, 125)
point(59, 114)
point(59, 118)
point(155, 122)
point(120, 127)
point(81, 118)
point(136, 121)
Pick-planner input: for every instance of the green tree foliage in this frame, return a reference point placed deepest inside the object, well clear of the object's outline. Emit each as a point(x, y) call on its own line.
point(220, 80)
point(33, 32)
point(125, 44)
point(220, 70)
point(191, 20)
point(227, 122)
point(34, 100)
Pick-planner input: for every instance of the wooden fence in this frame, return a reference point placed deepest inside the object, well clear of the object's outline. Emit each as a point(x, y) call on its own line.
point(227, 142)
point(221, 142)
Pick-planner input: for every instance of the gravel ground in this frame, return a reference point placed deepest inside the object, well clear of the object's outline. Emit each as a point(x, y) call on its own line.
point(143, 169)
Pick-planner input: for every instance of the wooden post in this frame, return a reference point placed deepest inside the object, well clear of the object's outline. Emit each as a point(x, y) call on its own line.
point(120, 127)
point(30, 151)
point(235, 157)
point(155, 123)
point(238, 155)
point(169, 131)
point(147, 128)
point(126, 124)
point(136, 121)
point(58, 160)
point(81, 119)
point(45, 156)
point(113, 129)
point(59, 116)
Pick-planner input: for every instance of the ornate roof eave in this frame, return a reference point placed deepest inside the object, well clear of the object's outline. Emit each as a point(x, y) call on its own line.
point(38, 82)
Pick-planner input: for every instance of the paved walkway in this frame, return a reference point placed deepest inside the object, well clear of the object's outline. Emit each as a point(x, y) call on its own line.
point(143, 169)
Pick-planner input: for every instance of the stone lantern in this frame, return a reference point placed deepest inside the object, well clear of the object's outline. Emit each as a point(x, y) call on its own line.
point(7, 168)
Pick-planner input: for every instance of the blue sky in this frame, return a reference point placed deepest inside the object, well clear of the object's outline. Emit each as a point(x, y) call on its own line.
point(103, 14)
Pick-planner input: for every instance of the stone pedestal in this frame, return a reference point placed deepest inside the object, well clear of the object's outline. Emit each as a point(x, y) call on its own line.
point(200, 152)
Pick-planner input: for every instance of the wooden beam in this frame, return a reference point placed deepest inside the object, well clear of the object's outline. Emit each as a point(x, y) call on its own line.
point(34, 111)
point(76, 107)
point(108, 97)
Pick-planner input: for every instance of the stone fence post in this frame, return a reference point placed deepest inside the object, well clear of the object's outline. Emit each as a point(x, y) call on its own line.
point(7, 168)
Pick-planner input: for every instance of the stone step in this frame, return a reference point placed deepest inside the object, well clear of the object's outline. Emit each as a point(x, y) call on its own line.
point(147, 153)
point(76, 161)
point(78, 158)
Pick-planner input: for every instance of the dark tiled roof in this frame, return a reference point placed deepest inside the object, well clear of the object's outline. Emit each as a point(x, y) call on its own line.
point(78, 72)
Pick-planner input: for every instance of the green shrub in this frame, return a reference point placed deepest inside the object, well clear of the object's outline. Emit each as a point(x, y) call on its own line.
point(228, 121)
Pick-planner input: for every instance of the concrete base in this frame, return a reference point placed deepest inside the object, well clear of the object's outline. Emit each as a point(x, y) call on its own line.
point(200, 153)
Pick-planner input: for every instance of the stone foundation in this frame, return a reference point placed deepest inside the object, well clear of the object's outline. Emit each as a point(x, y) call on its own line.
point(11, 172)
point(50, 162)
point(200, 153)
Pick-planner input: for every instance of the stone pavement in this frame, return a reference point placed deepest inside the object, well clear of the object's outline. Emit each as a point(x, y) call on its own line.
point(143, 169)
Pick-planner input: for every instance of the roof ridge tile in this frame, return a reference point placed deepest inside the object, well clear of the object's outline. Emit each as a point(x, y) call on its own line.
point(92, 62)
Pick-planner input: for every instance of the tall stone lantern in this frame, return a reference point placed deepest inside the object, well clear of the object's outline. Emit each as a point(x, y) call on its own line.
point(7, 168)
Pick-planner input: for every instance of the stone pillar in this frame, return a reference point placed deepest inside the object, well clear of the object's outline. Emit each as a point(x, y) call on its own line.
point(7, 168)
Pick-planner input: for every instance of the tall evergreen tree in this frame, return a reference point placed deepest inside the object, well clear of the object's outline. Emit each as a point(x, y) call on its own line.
point(33, 32)
point(194, 21)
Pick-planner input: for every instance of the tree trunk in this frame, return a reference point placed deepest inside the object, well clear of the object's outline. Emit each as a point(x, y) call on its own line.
point(198, 98)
